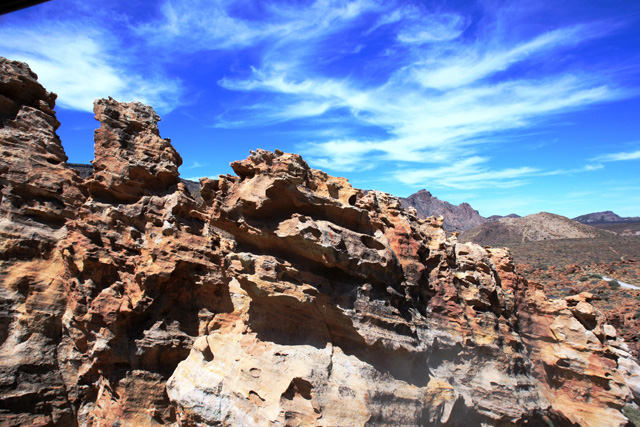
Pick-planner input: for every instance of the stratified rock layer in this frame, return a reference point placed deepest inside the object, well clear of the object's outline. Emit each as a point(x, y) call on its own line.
point(287, 298)
point(38, 196)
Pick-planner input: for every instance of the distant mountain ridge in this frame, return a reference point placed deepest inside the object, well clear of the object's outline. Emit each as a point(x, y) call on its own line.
point(531, 228)
point(604, 217)
point(456, 217)
point(497, 217)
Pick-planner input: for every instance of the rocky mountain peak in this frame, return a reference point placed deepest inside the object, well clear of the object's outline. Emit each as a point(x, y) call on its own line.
point(531, 228)
point(497, 217)
point(456, 218)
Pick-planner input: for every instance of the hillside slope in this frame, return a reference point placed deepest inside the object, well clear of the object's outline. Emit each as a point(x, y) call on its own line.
point(531, 228)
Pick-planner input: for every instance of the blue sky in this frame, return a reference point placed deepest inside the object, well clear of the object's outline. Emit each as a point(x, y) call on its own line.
point(511, 106)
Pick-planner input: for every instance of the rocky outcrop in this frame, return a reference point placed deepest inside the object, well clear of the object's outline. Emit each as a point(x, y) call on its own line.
point(132, 160)
point(343, 311)
point(38, 196)
point(577, 358)
point(531, 228)
point(100, 299)
point(456, 217)
point(287, 298)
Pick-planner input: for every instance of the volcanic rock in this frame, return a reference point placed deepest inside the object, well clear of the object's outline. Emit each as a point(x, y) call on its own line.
point(287, 298)
point(456, 217)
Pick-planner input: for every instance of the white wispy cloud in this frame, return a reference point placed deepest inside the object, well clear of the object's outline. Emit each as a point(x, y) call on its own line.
point(439, 86)
point(194, 165)
point(341, 154)
point(586, 168)
point(469, 173)
point(81, 62)
point(439, 103)
point(470, 63)
point(475, 173)
point(618, 157)
point(198, 25)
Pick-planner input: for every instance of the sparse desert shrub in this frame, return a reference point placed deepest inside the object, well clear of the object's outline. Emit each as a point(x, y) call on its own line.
point(637, 314)
point(614, 284)
point(583, 279)
point(595, 276)
point(632, 412)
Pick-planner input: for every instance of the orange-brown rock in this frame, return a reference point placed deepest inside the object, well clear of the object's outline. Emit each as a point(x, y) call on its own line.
point(38, 195)
point(576, 357)
point(132, 160)
point(288, 298)
point(347, 307)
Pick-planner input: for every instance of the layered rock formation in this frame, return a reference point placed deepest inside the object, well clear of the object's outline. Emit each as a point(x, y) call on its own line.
point(456, 217)
point(38, 196)
point(287, 298)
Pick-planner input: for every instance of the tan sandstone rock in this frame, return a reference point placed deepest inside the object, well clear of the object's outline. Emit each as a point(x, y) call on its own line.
point(132, 159)
point(288, 298)
point(38, 194)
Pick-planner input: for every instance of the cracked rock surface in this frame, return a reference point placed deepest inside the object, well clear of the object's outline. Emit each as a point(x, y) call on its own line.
point(286, 298)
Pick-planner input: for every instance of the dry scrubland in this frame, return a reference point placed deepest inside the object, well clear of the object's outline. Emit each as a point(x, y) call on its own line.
point(563, 252)
point(619, 227)
point(569, 266)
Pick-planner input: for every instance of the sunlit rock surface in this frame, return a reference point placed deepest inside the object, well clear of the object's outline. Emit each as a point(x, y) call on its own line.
point(287, 298)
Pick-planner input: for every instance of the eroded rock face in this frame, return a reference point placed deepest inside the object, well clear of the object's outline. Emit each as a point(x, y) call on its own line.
point(288, 298)
point(576, 357)
point(132, 160)
point(348, 307)
point(38, 194)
